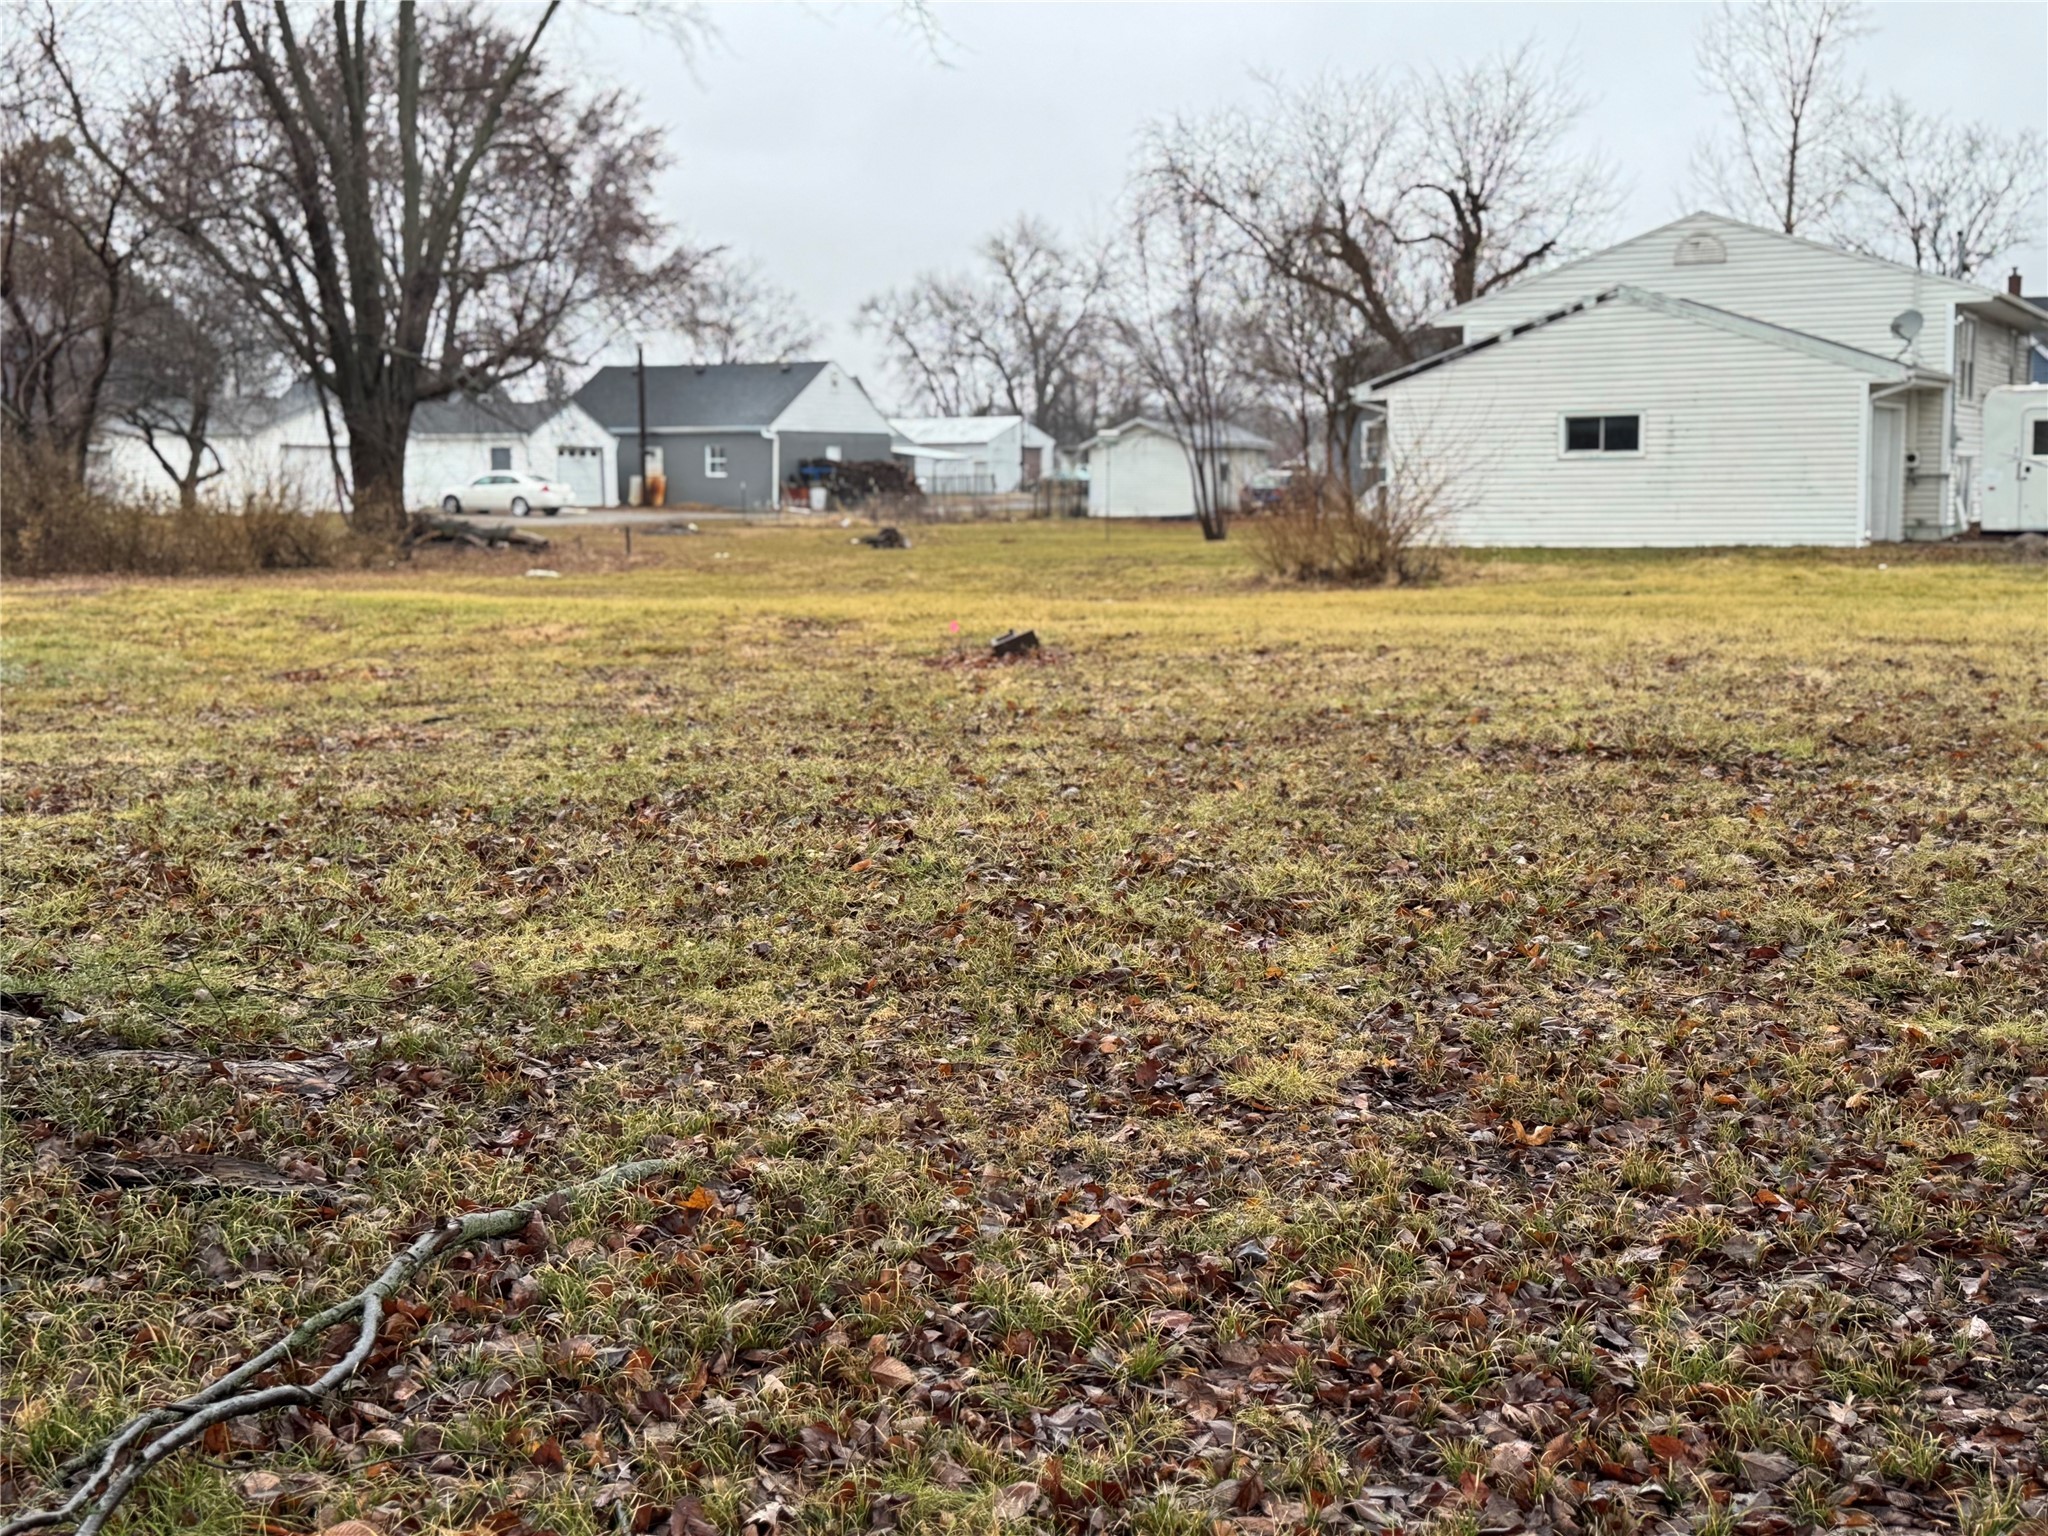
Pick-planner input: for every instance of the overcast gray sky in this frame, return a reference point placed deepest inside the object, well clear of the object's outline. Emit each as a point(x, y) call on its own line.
point(830, 143)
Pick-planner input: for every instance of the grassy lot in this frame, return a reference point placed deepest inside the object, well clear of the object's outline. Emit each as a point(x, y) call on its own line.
point(1565, 1050)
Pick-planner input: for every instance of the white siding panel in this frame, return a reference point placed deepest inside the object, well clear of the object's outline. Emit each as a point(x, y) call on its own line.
point(832, 402)
point(1743, 442)
point(1145, 474)
point(1926, 489)
point(1845, 298)
point(1140, 475)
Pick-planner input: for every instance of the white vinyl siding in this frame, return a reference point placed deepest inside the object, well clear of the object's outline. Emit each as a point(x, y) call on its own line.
point(1804, 287)
point(1926, 489)
point(1742, 441)
point(832, 402)
point(1142, 473)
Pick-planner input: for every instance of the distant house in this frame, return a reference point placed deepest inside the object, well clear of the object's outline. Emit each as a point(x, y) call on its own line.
point(735, 434)
point(280, 444)
point(1142, 468)
point(1709, 382)
point(975, 455)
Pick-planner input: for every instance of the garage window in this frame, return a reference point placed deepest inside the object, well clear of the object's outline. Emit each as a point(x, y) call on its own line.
point(2040, 448)
point(714, 461)
point(1603, 434)
point(501, 458)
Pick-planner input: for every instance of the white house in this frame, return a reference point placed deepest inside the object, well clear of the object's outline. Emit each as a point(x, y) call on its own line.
point(281, 444)
point(1708, 383)
point(974, 454)
point(1141, 468)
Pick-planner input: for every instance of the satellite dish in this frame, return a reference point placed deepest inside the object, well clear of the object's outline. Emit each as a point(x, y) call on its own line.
point(1907, 326)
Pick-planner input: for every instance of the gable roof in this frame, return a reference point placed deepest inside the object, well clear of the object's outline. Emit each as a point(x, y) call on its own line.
point(739, 395)
point(1972, 290)
point(1226, 434)
point(1682, 309)
point(462, 416)
point(953, 430)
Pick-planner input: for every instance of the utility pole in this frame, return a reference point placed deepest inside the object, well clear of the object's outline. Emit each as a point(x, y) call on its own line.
point(640, 383)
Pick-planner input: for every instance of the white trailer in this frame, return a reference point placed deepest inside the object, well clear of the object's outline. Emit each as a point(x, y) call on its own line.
point(2016, 459)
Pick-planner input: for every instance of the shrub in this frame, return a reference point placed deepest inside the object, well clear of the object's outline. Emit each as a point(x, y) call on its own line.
point(50, 524)
point(1321, 531)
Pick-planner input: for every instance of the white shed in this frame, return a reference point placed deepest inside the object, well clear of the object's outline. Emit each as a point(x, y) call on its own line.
point(974, 455)
point(1142, 469)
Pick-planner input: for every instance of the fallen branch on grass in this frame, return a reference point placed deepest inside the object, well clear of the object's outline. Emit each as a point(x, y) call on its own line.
point(115, 1471)
point(439, 530)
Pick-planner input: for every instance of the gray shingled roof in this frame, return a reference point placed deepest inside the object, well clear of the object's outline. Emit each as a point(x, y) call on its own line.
point(715, 395)
point(461, 417)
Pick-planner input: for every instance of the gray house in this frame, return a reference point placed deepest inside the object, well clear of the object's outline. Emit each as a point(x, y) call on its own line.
point(730, 434)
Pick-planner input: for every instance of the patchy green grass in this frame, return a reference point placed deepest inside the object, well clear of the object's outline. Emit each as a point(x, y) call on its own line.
point(1563, 1049)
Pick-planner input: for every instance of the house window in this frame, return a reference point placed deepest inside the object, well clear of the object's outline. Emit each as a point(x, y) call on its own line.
point(1603, 434)
point(714, 461)
point(832, 453)
point(501, 458)
point(1966, 359)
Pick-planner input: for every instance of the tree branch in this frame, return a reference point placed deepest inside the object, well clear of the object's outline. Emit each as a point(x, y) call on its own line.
point(111, 1480)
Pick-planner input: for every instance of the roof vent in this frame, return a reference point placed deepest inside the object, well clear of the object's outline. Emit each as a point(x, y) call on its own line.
point(1700, 250)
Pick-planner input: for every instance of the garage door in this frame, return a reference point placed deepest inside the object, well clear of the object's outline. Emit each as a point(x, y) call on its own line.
point(582, 470)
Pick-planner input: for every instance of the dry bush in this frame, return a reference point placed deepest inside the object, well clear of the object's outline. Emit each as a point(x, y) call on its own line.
point(50, 524)
point(1391, 535)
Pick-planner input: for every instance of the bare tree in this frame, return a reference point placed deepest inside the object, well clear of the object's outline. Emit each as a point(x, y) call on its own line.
point(1943, 196)
point(1781, 68)
point(191, 348)
point(1310, 188)
point(731, 313)
point(409, 200)
point(1493, 187)
point(1176, 319)
point(1301, 354)
point(1370, 203)
point(71, 232)
point(1021, 334)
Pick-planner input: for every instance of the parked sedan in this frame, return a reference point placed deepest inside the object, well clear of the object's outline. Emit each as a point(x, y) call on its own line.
point(507, 490)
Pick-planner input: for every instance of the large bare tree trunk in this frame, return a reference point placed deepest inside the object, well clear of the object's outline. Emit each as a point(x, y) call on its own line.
point(377, 435)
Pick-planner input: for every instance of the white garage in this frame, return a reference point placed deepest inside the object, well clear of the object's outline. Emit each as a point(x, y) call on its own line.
point(454, 441)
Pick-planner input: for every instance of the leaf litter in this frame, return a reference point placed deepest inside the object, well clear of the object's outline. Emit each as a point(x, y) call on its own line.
point(1345, 1083)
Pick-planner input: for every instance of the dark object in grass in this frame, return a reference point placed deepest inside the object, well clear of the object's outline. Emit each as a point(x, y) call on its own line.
point(116, 1465)
point(887, 538)
point(1013, 642)
point(441, 530)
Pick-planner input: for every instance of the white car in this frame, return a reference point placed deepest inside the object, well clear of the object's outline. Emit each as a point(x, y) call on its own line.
point(507, 490)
